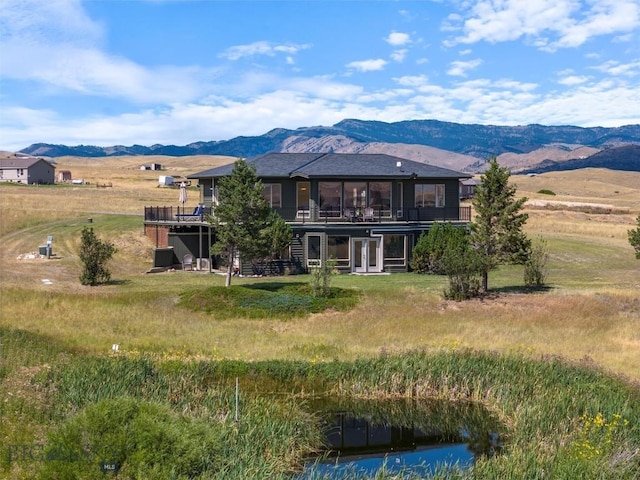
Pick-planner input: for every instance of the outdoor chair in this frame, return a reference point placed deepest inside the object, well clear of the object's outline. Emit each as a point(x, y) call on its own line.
point(350, 214)
point(187, 262)
point(368, 215)
point(196, 215)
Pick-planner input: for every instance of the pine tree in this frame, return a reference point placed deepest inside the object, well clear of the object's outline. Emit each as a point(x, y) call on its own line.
point(634, 238)
point(94, 255)
point(241, 217)
point(497, 230)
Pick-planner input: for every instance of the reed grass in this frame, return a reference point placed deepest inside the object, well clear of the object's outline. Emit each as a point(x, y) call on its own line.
point(559, 417)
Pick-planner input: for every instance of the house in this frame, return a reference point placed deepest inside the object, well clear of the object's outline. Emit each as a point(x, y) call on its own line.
point(468, 187)
point(64, 176)
point(365, 212)
point(27, 170)
point(153, 166)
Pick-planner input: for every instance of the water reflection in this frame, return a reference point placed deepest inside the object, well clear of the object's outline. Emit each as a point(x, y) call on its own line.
point(363, 437)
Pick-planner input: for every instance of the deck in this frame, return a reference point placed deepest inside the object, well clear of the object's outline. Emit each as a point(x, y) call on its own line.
point(182, 215)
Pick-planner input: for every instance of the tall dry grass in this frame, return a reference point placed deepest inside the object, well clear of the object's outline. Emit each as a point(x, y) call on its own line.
point(590, 309)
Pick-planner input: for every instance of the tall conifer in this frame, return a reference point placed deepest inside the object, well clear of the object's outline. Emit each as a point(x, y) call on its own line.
point(241, 217)
point(497, 230)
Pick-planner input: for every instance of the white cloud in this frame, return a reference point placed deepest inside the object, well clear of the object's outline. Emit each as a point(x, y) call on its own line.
point(548, 24)
point(398, 39)
point(616, 68)
point(62, 46)
point(261, 48)
point(299, 103)
point(59, 22)
point(459, 68)
point(412, 80)
point(571, 80)
point(368, 65)
point(399, 55)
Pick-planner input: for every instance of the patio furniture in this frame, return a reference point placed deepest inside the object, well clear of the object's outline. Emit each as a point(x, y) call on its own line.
point(195, 216)
point(350, 214)
point(187, 262)
point(368, 215)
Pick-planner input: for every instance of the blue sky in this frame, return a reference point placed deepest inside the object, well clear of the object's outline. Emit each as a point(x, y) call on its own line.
point(112, 72)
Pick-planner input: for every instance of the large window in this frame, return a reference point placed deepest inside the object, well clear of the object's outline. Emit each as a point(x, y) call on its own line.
point(429, 195)
point(272, 193)
point(338, 249)
point(355, 194)
point(330, 199)
point(394, 249)
point(380, 198)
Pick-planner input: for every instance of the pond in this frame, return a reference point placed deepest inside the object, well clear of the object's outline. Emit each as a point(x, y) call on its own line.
point(400, 436)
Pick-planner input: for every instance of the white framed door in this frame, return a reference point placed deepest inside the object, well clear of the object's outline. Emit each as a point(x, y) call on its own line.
point(367, 255)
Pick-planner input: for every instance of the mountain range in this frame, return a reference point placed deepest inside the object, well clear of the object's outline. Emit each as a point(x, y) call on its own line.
point(464, 147)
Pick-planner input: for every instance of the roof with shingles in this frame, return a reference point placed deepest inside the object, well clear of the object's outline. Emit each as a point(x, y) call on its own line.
point(20, 162)
point(336, 165)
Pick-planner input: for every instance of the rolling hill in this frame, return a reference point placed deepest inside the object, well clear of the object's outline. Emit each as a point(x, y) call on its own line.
point(458, 146)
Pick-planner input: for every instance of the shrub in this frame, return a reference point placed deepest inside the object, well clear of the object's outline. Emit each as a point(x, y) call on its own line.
point(94, 254)
point(634, 238)
point(545, 191)
point(463, 266)
point(321, 278)
point(137, 439)
point(431, 247)
point(535, 266)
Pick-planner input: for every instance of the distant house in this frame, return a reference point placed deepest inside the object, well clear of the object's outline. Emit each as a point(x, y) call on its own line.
point(27, 170)
point(468, 187)
point(64, 176)
point(365, 212)
point(153, 166)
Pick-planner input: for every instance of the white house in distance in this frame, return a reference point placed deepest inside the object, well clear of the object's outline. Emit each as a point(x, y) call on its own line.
point(28, 170)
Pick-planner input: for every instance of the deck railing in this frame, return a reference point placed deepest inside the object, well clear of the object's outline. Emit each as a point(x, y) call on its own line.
point(175, 214)
point(314, 215)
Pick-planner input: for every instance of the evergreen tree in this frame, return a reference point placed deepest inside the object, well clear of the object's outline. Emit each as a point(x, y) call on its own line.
point(431, 247)
point(634, 238)
point(241, 217)
point(94, 255)
point(497, 230)
point(279, 234)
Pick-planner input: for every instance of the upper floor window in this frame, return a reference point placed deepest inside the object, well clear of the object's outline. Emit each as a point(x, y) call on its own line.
point(355, 194)
point(330, 198)
point(429, 195)
point(272, 193)
point(303, 198)
point(380, 198)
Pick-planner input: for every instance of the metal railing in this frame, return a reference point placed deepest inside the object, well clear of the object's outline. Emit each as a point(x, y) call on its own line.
point(176, 214)
point(316, 215)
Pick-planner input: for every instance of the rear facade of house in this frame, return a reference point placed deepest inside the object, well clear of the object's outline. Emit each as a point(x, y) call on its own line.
point(363, 212)
point(27, 170)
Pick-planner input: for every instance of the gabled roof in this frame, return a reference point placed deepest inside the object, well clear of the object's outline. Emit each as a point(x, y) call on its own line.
point(470, 182)
point(20, 162)
point(336, 165)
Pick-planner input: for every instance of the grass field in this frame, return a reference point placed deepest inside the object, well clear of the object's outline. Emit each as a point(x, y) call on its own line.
point(590, 313)
point(591, 310)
